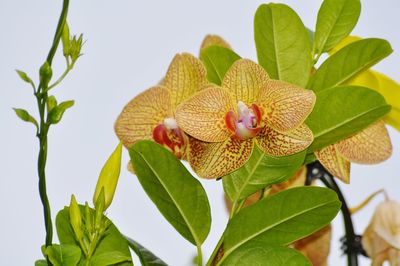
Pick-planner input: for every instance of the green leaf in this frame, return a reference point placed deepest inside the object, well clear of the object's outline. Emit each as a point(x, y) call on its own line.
point(255, 253)
point(63, 255)
point(109, 258)
point(311, 36)
point(259, 172)
point(147, 258)
point(282, 218)
point(112, 246)
point(24, 76)
point(336, 19)
point(348, 61)
point(342, 111)
point(177, 194)
point(41, 263)
point(51, 102)
point(25, 116)
point(57, 112)
point(282, 42)
point(217, 61)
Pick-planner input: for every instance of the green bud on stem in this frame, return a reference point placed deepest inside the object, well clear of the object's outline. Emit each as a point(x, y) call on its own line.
point(45, 74)
point(75, 218)
point(108, 178)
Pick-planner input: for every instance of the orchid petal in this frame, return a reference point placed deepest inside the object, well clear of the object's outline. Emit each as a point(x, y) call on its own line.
point(334, 162)
point(244, 80)
point(211, 40)
point(285, 106)
point(142, 114)
point(387, 222)
point(213, 160)
point(369, 146)
point(275, 143)
point(186, 75)
point(203, 115)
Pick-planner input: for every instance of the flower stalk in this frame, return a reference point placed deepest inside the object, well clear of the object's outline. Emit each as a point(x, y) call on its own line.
point(41, 98)
point(351, 241)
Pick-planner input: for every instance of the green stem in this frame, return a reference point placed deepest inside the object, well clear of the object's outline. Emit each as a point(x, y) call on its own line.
point(199, 256)
point(61, 78)
point(41, 97)
point(215, 252)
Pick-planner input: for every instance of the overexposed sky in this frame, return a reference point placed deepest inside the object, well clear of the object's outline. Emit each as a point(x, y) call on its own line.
point(129, 45)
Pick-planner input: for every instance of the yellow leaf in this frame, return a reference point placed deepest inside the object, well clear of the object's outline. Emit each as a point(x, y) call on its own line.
point(346, 41)
point(369, 78)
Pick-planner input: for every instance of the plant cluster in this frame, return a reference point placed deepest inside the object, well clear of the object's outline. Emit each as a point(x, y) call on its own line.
point(266, 130)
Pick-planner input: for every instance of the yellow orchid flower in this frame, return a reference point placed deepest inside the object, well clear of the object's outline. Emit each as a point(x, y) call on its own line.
point(248, 108)
point(369, 78)
point(381, 239)
point(151, 114)
point(211, 40)
point(369, 146)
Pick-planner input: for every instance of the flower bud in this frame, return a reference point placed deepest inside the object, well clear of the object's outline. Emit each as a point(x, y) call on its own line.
point(108, 178)
point(45, 74)
point(75, 47)
point(65, 39)
point(381, 239)
point(75, 217)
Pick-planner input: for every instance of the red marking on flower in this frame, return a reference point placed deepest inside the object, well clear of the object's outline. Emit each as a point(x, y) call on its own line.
point(173, 139)
point(248, 125)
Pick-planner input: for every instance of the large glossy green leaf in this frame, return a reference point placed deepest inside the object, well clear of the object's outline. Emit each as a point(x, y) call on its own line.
point(63, 255)
point(282, 42)
point(336, 19)
point(256, 253)
point(342, 111)
point(259, 172)
point(217, 61)
point(177, 194)
point(147, 258)
point(112, 249)
point(282, 218)
point(348, 61)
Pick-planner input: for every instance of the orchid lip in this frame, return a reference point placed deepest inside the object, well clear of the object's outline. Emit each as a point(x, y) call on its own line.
point(169, 135)
point(246, 124)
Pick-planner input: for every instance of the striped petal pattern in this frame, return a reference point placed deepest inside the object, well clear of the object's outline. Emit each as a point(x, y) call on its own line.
point(186, 76)
point(275, 143)
point(213, 160)
point(203, 115)
point(285, 106)
point(142, 114)
point(335, 163)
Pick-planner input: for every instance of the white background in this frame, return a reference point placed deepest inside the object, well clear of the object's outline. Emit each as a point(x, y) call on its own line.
point(129, 45)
